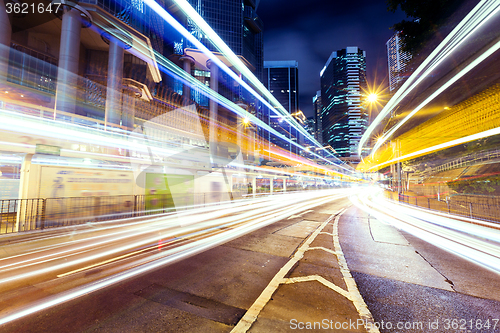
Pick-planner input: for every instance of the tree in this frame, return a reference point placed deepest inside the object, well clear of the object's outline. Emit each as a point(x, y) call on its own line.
point(427, 16)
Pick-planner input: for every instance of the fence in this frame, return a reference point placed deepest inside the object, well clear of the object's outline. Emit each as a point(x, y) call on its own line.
point(17, 215)
point(474, 206)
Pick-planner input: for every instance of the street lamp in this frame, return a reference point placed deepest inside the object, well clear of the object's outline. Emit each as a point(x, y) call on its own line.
point(372, 98)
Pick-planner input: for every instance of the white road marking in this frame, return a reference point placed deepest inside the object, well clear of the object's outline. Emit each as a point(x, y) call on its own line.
point(251, 315)
point(299, 215)
point(323, 249)
point(356, 297)
point(321, 280)
point(352, 293)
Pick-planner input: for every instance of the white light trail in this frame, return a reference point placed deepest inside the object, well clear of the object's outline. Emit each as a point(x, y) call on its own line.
point(475, 19)
point(246, 222)
point(186, 7)
point(448, 144)
point(436, 93)
point(477, 243)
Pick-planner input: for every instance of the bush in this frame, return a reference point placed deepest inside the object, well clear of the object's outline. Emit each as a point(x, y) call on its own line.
point(489, 185)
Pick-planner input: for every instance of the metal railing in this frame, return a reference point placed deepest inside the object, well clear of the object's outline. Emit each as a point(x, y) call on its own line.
point(475, 207)
point(468, 160)
point(18, 215)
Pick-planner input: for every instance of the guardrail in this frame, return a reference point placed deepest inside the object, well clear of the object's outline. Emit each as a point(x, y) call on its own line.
point(19, 215)
point(468, 160)
point(475, 207)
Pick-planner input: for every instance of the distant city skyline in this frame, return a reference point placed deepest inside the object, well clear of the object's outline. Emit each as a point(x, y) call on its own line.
point(309, 34)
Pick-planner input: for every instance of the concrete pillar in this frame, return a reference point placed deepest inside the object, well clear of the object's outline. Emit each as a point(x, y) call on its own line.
point(284, 185)
point(271, 185)
point(24, 183)
point(188, 62)
point(69, 51)
point(114, 84)
point(214, 108)
point(5, 36)
point(129, 98)
point(254, 186)
point(240, 131)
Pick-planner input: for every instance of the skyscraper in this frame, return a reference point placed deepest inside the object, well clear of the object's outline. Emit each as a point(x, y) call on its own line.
point(397, 60)
point(281, 79)
point(237, 24)
point(310, 126)
point(318, 108)
point(344, 117)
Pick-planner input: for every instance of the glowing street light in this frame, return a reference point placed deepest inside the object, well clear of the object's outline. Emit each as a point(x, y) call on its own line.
point(372, 98)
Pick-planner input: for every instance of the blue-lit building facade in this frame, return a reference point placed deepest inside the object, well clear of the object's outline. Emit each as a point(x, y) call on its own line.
point(397, 60)
point(238, 25)
point(318, 109)
point(344, 117)
point(281, 79)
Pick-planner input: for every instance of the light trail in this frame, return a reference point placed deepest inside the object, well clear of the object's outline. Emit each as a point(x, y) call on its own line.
point(190, 12)
point(476, 242)
point(436, 93)
point(448, 144)
point(474, 20)
point(131, 257)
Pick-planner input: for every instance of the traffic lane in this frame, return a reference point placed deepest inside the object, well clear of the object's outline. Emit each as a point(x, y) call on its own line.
point(316, 295)
point(216, 237)
point(414, 284)
point(233, 274)
point(63, 255)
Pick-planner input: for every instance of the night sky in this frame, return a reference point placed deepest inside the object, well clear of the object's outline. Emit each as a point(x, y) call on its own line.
point(308, 31)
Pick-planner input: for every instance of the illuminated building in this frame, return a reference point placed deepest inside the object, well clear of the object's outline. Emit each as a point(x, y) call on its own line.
point(344, 118)
point(237, 24)
point(397, 60)
point(318, 108)
point(310, 126)
point(281, 78)
point(80, 58)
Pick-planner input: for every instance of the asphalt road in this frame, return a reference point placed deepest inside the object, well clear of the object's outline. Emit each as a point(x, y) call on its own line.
point(211, 291)
point(410, 285)
point(285, 277)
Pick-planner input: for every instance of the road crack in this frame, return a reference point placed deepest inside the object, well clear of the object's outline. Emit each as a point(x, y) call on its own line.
point(452, 285)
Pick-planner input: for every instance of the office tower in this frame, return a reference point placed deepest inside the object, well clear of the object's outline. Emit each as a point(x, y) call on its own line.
point(344, 115)
point(281, 79)
point(310, 126)
point(318, 108)
point(237, 24)
point(397, 60)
